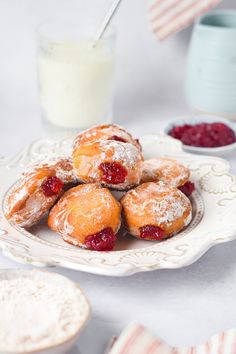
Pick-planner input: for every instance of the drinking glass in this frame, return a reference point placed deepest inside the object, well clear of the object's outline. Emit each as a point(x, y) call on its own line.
point(76, 75)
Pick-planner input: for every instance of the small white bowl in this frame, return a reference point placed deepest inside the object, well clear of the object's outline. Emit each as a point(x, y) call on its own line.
point(67, 341)
point(216, 151)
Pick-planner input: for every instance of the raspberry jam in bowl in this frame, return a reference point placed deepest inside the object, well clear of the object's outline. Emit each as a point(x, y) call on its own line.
point(204, 135)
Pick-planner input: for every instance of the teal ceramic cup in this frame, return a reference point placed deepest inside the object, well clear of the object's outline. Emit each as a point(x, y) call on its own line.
point(211, 66)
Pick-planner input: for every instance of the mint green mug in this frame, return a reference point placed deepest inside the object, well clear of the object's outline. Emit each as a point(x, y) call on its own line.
point(211, 67)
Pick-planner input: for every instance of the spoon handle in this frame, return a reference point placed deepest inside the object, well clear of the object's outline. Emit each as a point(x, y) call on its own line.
point(107, 19)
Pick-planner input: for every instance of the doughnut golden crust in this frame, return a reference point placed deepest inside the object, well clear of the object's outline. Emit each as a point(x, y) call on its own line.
point(37, 191)
point(155, 211)
point(87, 216)
point(112, 163)
point(106, 132)
point(165, 170)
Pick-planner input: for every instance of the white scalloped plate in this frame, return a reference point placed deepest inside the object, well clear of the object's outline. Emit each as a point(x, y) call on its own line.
point(213, 222)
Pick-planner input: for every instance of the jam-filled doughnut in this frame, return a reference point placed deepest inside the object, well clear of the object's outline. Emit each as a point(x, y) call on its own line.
point(155, 211)
point(106, 132)
point(169, 171)
point(112, 163)
point(37, 191)
point(87, 216)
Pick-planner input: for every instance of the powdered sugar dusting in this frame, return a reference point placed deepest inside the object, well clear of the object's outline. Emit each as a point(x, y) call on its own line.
point(62, 167)
point(105, 132)
point(73, 241)
point(76, 201)
point(26, 203)
point(165, 203)
point(166, 170)
point(38, 310)
point(188, 219)
point(34, 210)
point(111, 151)
point(124, 152)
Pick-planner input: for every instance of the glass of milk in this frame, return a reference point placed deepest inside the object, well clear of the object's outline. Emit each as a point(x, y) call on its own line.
point(76, 76)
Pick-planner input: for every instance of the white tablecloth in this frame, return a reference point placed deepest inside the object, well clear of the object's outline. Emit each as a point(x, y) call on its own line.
point(182, 306)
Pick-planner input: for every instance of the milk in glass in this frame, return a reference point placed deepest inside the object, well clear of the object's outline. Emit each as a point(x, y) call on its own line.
point(76, 82)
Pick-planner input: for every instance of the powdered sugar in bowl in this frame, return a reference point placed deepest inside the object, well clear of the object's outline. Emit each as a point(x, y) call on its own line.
point(40, 312)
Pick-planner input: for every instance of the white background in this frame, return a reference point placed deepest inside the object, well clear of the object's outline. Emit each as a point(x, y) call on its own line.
point(181, 306)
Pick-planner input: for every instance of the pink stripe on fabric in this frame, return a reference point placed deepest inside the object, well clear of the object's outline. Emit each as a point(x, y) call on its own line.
point(155, 4)
point(139, 340)
point(163, 34)
point(165, 10)
point(221, 343)
point(234, 345)
point(151, 349)
point(170, 7)
point(190, 12)
point(131, 340)
point(180, 13)
point(180, 19)
point(208, 347)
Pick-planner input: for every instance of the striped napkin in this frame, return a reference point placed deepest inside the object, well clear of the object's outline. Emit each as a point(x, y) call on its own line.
point(136, 339)
point(171, 16)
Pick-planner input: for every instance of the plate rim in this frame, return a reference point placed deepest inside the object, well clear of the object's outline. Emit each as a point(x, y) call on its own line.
point(21, 251)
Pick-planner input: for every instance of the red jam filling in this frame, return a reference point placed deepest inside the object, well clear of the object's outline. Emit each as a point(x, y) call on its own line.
point(52, 186)
point(188, 188)
point(151, 232)
point(102, 241)
point(117, 138)
point(113, 173)
point(204, 134)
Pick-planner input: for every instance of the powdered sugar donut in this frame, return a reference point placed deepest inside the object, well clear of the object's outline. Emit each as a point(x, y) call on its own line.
point(166, 170)
point(169, 171)
point(106, 132)
point(37, 191)
point(112, 163)
point(155, 211)
point(87, 216)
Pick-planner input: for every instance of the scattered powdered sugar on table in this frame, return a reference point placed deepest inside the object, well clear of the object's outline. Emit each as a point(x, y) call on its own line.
point(37, 311)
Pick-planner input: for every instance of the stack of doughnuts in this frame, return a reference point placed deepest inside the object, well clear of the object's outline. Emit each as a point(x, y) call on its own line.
point(75, 193)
